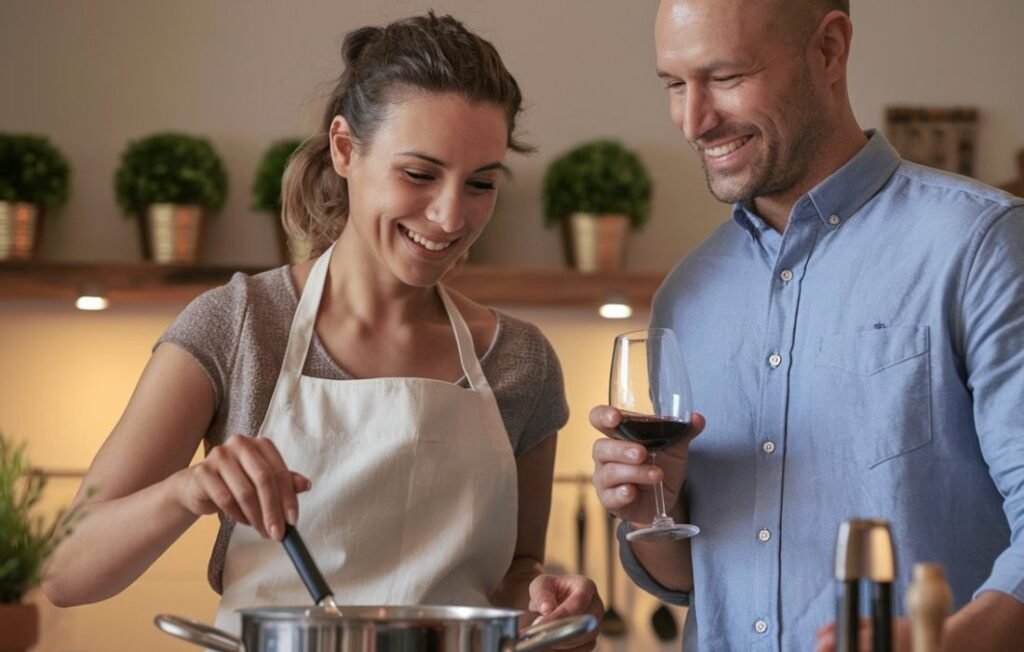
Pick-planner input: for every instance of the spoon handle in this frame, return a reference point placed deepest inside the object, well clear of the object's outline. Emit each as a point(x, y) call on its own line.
point(303, 561)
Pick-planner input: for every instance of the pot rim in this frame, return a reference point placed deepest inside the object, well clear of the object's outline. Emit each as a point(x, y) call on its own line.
point(413, 614)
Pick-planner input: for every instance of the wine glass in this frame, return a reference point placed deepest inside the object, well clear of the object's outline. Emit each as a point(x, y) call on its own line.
point(649, 386)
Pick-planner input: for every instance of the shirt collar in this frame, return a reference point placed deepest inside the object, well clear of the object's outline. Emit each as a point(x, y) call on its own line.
point(842, 193)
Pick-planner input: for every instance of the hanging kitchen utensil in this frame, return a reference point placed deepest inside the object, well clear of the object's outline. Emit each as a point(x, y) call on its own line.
point(864, 554)
point(664, 623)
point(581, 527)
point(612, 624)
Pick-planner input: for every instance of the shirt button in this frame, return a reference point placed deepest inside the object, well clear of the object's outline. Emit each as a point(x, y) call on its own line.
point(768, 447)
point(774, 360)
point(833, 219)
point(764, 535)
point(760, 627)
point(786, 275)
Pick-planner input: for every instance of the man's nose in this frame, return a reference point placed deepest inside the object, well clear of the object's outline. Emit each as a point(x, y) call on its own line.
point(699, 115)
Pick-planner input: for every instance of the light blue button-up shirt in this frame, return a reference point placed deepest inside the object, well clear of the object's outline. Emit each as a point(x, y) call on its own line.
point(869, 362)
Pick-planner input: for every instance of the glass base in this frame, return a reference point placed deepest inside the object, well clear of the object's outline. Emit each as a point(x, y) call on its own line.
point(674, 532)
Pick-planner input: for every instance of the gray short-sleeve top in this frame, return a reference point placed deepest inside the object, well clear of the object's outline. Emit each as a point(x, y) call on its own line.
point(238, 333)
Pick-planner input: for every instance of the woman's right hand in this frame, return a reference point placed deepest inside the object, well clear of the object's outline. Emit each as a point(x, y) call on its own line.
point(625, 478)
point(247, 479)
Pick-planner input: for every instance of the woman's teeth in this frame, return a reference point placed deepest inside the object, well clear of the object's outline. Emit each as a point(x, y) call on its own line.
point(424, 242)
point(727, 148)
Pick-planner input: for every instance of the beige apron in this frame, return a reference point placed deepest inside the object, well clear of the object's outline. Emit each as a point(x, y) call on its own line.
point(414, 497)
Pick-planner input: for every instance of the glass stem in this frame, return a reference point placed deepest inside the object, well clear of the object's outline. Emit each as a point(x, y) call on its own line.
point(659, 498)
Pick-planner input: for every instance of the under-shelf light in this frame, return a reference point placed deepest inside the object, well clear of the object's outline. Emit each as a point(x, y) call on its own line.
point(92, 298)
point(615, 306)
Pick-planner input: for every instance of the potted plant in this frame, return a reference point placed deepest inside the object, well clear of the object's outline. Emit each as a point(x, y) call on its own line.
point(598, 191)
point(172, 182)
point(266, 195)
point(26, 541)
point(34, 179)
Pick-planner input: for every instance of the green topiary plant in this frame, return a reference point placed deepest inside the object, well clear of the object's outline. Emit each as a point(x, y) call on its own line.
point(599, 176)
point(170, 168)
point(266, 187)
point(32, 170)
point(26, 541)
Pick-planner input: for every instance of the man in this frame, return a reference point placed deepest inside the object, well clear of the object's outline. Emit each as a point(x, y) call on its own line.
point(855, 336)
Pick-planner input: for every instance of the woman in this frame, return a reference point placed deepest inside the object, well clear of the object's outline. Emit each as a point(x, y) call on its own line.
point(418, 426)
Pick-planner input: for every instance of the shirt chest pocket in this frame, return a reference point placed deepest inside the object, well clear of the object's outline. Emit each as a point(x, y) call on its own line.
point(873, 390)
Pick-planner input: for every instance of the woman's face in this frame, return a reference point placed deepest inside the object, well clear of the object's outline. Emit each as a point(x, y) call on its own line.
point(423, 189)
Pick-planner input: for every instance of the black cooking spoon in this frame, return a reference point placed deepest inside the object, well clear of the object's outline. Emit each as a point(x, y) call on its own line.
point(308, 570)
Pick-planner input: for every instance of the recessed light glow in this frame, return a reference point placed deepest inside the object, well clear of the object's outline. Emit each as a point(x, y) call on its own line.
point(88, 302)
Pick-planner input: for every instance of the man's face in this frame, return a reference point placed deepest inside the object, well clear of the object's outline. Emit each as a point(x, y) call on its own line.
point(742, 93)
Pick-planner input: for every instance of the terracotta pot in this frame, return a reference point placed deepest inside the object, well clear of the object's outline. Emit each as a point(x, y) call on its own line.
point(21, 226)
point(20, 626)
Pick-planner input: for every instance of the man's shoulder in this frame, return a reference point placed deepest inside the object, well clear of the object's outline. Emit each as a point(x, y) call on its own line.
point(951, 193)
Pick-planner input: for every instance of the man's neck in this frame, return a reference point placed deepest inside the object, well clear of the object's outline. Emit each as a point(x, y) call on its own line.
point(775, 210)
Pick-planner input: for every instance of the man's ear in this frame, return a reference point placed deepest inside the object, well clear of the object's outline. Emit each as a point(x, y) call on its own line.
point(340, 137)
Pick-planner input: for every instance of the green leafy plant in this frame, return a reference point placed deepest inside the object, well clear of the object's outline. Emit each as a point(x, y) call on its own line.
point(32, 170)
point(26, 541)
point(599, 176)
point(266, 187)
point(170, 168)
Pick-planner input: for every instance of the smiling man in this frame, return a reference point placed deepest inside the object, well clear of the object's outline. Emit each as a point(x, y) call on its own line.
point(856, 339)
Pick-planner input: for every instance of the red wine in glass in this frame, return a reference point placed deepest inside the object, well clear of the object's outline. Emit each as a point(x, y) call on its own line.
point(655, 433)
point(650, 388)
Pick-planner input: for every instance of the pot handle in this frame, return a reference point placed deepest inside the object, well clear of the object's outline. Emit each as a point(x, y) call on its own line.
point(198, 633)
point(541, 636)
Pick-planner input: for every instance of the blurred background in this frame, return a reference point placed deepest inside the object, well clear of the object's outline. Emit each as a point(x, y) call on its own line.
point(94, 75)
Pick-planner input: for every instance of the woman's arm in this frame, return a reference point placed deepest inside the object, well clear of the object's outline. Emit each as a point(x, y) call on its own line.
point(139, 495)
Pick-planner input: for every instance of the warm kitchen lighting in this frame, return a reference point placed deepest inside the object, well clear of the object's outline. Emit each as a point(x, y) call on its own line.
point(92, 298)
point(615, 306)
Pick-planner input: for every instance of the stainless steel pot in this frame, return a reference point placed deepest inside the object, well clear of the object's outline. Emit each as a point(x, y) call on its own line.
point(379, 629)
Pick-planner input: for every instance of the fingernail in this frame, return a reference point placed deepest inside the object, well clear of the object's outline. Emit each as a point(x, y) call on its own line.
point(275, 532)
point(291, 515)
point(633, 454)
point(624, 491)
point(652, 474)
point(546, 607)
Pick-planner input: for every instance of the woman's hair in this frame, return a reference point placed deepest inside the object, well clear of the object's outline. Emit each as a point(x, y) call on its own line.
point(431, 53)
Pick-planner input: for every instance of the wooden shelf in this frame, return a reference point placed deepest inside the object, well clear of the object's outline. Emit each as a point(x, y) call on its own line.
point(142, 283)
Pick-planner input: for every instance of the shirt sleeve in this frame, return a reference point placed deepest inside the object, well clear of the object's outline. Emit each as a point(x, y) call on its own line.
point(641, 577)
point(550, 409)
point(993, 326)
point(209, 329)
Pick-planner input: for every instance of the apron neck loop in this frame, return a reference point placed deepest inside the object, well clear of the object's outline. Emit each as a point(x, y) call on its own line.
point(305, 319)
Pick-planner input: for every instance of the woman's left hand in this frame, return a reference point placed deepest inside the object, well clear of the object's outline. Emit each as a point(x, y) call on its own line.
point(559, 596)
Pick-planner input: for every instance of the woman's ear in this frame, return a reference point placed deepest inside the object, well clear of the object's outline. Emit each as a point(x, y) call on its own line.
point(340, 137)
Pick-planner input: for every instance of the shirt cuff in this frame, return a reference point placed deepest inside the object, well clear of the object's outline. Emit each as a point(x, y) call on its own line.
point(1007, 574)
point(640, 576)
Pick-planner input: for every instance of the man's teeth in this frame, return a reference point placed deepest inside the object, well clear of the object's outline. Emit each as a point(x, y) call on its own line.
point(727, 148)
point(425, 243)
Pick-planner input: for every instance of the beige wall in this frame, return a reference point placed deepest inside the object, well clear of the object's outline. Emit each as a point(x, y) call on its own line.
point(95, 74)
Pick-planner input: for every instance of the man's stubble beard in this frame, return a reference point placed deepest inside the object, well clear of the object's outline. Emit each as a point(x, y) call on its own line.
point(775, 172)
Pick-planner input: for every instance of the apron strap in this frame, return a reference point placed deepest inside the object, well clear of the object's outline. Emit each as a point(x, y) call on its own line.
point(301, 334)
point(464, 340)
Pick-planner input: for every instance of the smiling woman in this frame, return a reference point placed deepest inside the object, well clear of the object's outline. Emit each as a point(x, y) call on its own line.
point(413, 427)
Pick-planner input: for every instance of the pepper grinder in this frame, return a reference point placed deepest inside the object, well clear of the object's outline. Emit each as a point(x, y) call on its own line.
point(928, 601)
point(864, 554)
